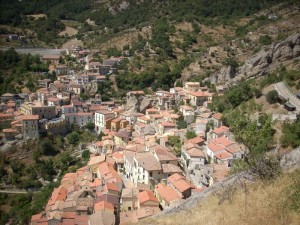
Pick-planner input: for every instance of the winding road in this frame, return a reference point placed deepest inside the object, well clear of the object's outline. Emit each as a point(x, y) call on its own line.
point(287, 94)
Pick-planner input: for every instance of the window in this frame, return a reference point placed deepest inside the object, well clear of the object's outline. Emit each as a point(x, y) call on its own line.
point(150, 174)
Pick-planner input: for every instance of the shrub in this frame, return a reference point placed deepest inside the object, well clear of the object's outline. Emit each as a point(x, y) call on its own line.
point(265, 40)
point(272, 96)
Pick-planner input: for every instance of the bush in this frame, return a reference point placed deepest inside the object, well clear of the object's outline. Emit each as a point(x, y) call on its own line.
point(266, 168)
point(265, 40)
point(272, 96)
point(73, 138)
point(86, 155)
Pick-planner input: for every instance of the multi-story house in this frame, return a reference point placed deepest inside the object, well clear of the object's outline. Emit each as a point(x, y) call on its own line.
point(192, 158)
point(43, 111)
point(100, 119)
point(30, 126)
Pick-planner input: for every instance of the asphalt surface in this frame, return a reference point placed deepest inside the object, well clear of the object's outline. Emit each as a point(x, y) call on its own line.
point(287, 94)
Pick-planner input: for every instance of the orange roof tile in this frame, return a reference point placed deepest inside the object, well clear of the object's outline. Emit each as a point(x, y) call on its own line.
point(217, 116)
point(167, 193)
point(103, 205)
point(220, 130)
point(180, 182)
point(30, 117)
point(146, 196)
point(111, 186)
point(59, 194)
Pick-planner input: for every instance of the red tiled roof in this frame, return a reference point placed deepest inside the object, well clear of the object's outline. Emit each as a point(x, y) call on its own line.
point(59, 194)
point(167, 193)
point(180, 182)
point(30, 117)
point(146, 196)
point(217, 116)
point(221, 130)
point(111, 186)
point(168, 124)
point(103, 205)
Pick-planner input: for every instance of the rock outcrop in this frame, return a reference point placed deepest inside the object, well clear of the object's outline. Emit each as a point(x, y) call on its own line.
point(137, 103)
point(260, 64)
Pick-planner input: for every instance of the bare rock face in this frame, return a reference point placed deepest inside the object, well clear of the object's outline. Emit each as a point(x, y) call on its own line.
point(226, 74)
point(137, 103)
point(262, 62)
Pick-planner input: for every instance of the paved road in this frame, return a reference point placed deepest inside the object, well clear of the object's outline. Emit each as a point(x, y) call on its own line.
point(13, 191)
point(287, 94)
point(34, 51)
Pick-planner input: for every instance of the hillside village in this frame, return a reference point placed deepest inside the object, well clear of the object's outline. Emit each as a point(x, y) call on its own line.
point(146, 159)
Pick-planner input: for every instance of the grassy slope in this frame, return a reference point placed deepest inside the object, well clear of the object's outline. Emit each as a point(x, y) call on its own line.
point(260, 203)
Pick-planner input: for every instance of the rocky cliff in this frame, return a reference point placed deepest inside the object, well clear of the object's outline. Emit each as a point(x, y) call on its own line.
point(268, 59)
point(138, 103)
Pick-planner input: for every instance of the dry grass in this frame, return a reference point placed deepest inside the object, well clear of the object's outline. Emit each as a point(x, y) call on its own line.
point(260, 203)
point(69, 30)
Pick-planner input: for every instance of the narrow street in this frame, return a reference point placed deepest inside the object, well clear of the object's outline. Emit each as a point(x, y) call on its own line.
point(287, 94)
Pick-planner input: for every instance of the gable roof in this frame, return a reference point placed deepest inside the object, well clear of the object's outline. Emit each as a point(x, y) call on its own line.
point(167, 193)
point(146, 196)
point(180, 182)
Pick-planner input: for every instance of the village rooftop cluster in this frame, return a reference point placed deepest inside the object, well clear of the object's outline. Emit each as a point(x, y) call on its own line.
point(133, 172)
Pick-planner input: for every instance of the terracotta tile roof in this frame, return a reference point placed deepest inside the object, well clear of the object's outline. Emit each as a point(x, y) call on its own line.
point(68, 215)
point(222, 141)
point(104, 112)
point(220, 130)
point(217, 116)
point(59, 194)
point(224, 155)
point(116, 120)
point(234, 148)
point(167, 193)
point(111, 186)
point(180, 182)
point(146, 196)
point(197, 140)
point(215, 147)
point(131, 193)
point(96, 183)
point(96, 160)
point(30, 117)
point(195, 152)
point(148, 161)
point(171, 168)
point(167, 124)
point(201, 94)
point(9, 130)
point(103, 205)
point(162, 154)
point(36, 217)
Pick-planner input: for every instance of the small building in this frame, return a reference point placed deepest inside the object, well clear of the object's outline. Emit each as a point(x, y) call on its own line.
point(167, 196)
point(51, 58)
point(30, 126)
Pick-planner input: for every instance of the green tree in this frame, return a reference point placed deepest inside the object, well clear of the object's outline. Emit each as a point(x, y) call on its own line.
point(73, 138)
point(272, 96)
point(90, 125)
point(47, 148)
point(86, 155)
point(190, 134)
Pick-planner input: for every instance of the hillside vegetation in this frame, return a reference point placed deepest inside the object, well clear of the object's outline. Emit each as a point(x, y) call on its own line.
point(264, 202)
